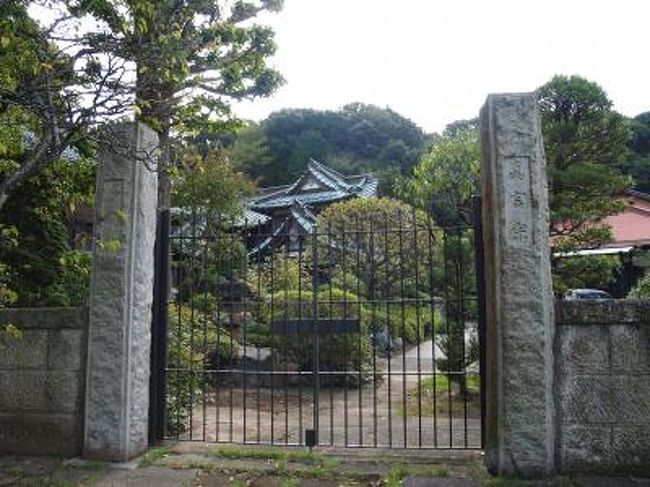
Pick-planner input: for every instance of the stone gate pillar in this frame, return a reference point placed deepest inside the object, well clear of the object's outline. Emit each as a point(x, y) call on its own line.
point(119, 336)
point(519, 295)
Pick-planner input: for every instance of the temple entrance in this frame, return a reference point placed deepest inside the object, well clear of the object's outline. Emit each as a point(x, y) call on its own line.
point(363, 334)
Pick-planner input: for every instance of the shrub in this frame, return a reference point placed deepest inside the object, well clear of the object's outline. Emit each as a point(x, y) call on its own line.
point(196, 342)
point(642, 288)
point(411, 323)
point(73, 284)
point(338, 351)
point(586, 271)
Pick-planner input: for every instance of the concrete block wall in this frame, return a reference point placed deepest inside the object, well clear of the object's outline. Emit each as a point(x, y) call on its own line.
point(602, 386)
point(42, 381)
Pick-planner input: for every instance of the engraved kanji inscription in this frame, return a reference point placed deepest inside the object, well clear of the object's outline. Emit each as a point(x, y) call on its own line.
point(519, 231)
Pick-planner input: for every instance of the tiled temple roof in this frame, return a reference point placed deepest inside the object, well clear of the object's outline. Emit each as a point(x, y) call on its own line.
point(330, 186)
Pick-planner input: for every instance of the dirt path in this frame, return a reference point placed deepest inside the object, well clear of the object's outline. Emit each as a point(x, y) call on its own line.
point(373, 415)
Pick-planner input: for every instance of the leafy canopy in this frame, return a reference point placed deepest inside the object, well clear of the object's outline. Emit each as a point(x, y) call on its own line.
point(354, 139)
point(192, 58)
point(446, 177)
point(584, 140)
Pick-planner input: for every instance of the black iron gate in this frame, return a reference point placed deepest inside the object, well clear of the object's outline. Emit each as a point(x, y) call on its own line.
point(358, 333)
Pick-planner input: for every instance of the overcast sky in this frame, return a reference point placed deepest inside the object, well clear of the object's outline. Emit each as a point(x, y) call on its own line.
point(434, 61)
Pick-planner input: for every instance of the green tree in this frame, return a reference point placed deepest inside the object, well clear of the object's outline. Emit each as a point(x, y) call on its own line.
point(249, 151)
point(192, 60)
point(446, 177)
point(642, 288)
point(637, 164)
point(589, 271)
point(49, 99)
point(384, 242)
point(210, 183)
point(355, 138)
point(584, 141)
point(43, 267)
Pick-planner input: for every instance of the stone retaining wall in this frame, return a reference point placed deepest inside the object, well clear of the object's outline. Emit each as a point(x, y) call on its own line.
point(42, 382)
point(602, 386)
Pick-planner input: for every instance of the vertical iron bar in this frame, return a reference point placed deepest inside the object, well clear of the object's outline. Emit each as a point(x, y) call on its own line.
point(192, 277)
point(231, 322)
point(359, 227)
point(448, 330)
point(244, 307)
point(389, 332)
point(461, 283)
point(403, 321)
point(432, 306)
point(300, 316)
point(179, 329)
point(204, 278)
point(159, 322)
point(332, 376)
point(481, 306)
point(315, 331)
point(273, 340)
point(373, 299)
point(346, 354)
point(219, 245)
point(416, 260)
point(258, 260)
point(286, 364)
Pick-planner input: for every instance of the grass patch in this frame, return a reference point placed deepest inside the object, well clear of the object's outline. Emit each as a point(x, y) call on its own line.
point(479, 473)
point(306, 464)
point(234, 453)
point(152, 455)
point(515, 482)
point(277, 454)
point(436, 393)
point(399, 472)
point(47, 483)
point(15, 471)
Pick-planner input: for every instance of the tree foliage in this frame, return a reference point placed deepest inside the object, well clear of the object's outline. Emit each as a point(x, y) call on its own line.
point(178, 65)
point(446, 177)
point(637, 164)
point(50, 97)
point(210, 183)
point(584, 140)
point(590, 271)
point(42, 266)
point(192, 59)
point(356, 138)
point(642, 288)
point(386, 243)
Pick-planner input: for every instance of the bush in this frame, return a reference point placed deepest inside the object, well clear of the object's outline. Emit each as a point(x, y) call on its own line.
point(587, 271)
point(338, 351)
point(409, 322)
point(642, 288)
point(196, 342)
point(73, 283)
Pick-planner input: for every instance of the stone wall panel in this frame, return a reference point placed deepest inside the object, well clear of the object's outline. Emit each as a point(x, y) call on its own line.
point(42, 382)
point(630, 349)
point(64, 350)
point(27, 352)
point(603, 398)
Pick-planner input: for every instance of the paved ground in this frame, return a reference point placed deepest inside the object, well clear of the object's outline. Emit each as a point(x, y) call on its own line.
point(205, 465)
point(386, 412)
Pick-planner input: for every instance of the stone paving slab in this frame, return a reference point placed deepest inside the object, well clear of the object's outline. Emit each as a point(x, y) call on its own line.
point(200, 466)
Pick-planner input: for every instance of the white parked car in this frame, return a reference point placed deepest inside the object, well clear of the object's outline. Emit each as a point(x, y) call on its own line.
point(587, 294)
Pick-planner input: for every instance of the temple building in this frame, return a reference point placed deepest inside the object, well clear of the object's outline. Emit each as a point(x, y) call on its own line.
point(281, 214)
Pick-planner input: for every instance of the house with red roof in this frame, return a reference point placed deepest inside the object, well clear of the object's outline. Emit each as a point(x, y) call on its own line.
point(631, 227)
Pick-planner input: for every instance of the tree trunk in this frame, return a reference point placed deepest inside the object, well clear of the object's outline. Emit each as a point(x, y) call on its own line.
point(164, 183)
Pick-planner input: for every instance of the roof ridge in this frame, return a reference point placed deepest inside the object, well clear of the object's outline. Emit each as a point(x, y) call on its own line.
point(338, 178)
